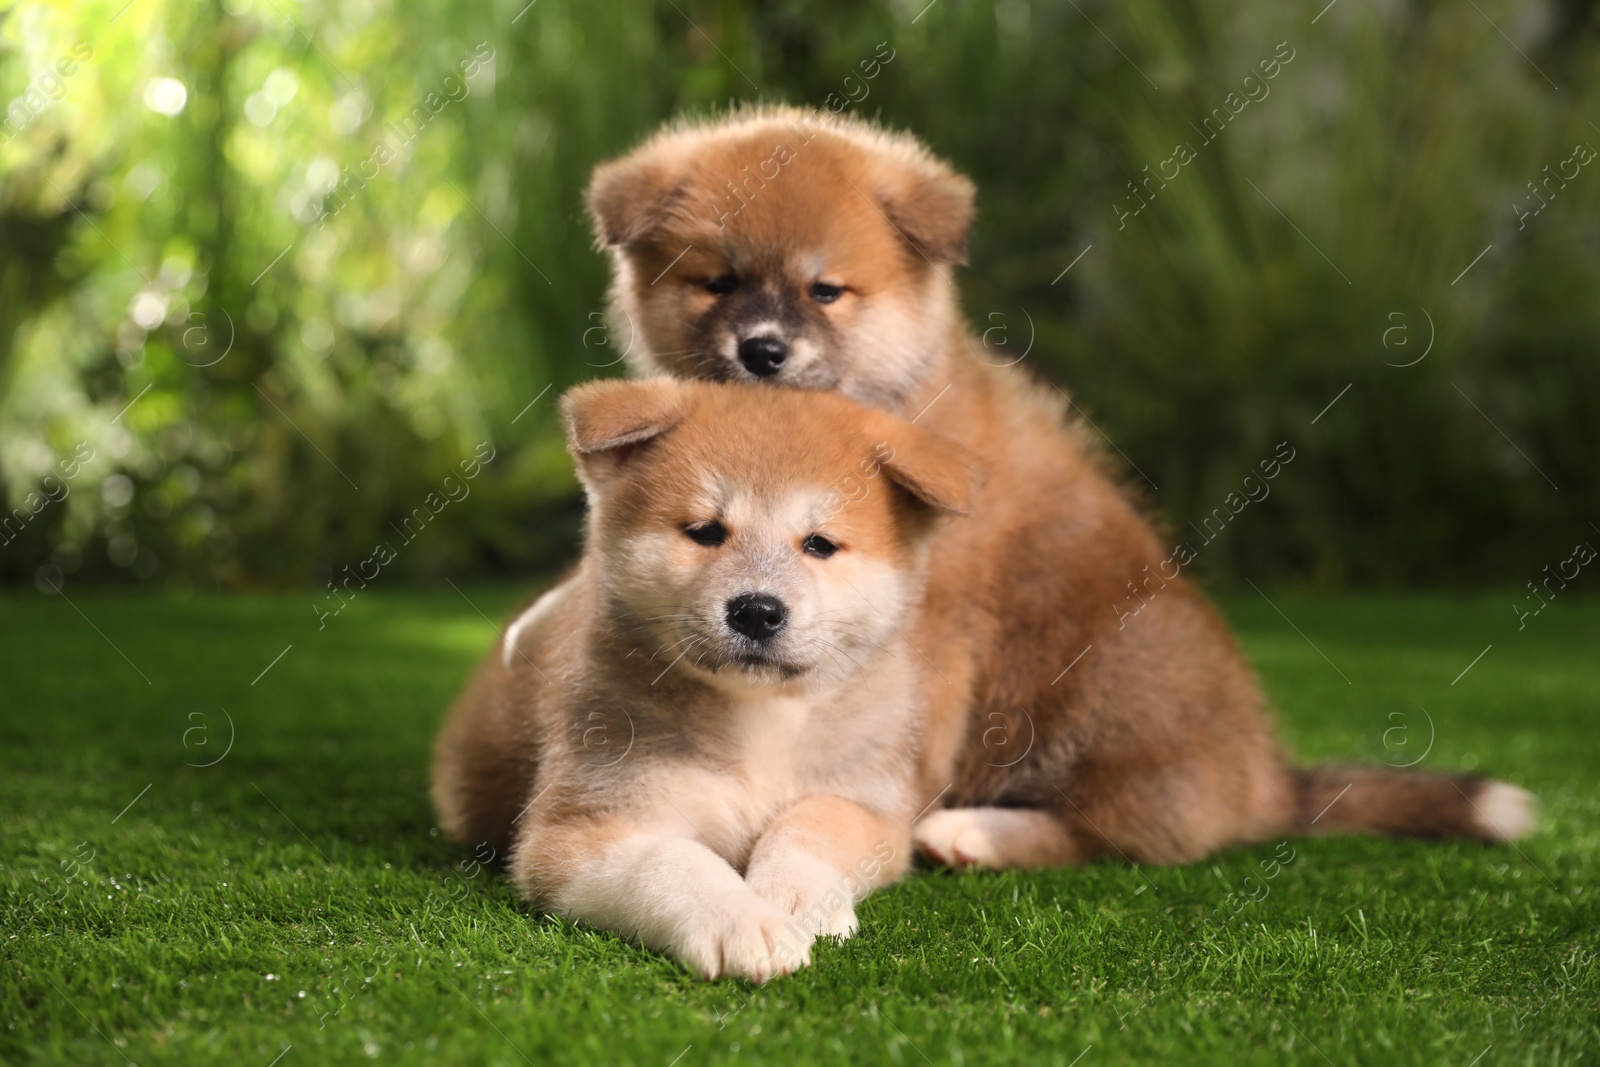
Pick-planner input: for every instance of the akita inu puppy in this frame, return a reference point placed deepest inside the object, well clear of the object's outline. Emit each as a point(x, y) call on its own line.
point(1056, 726)
point(719, 731)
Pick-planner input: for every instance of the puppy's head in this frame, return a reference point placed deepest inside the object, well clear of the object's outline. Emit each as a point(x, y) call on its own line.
point(783, 247)
point(751, 535)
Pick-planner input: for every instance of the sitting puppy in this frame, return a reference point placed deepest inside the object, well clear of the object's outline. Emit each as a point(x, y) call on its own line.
point(1056, 726)
point(727, 683)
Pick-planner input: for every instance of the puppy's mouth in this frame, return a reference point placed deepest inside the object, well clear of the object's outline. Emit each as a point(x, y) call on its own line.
point(751, 661)
point(814, 375)
point(763, 665)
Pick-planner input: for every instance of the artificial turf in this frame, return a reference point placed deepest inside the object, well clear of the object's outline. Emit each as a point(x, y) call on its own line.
point(291, 903)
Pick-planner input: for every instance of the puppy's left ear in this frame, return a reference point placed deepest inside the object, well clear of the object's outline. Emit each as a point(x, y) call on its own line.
point(931, 205)
point(934, 471)
point(608, 422)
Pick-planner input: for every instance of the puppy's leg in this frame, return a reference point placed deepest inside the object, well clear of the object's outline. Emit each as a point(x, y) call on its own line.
point(485, 759)
point(996, 838)
point(821, 856)
point(487, 754)
point(669, 893)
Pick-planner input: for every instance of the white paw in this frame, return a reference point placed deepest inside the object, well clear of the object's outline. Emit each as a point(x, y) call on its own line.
point(1503, 812)
point(740, 935)
point(957, 837)
point(820, 898)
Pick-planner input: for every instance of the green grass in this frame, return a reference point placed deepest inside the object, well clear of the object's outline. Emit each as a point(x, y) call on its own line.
point(308, 853)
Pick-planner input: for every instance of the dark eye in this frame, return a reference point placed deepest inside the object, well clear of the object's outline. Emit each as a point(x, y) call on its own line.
point(823, 293)
point(710, 534)
point(722, 285)
point(819, 546)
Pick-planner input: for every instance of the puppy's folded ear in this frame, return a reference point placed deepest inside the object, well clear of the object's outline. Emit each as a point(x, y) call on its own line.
point(627, 195)
point(609, 421)
point(934, 471)
point(931, 205)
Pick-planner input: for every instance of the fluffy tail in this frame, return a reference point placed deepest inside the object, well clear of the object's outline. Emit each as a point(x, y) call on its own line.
point(1383, 800)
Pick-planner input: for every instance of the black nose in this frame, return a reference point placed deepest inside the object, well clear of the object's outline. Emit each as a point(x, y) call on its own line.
point(763, 356)
point(757, 615)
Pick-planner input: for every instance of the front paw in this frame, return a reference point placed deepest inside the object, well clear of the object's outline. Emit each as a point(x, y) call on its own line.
point(740, 935)
point(820, 898)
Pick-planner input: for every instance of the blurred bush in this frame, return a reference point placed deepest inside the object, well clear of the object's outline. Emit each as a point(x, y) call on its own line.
point(271, 271)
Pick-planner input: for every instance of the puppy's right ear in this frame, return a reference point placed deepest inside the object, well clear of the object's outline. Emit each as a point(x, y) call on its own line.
point(609, 421)
point(627, 195)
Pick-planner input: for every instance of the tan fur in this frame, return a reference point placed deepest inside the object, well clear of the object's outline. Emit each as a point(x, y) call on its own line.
point(632, 760)
point(1156, 746)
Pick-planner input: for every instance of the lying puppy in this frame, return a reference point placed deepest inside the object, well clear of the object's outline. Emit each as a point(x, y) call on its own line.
point(726, 683)
point(773, 248)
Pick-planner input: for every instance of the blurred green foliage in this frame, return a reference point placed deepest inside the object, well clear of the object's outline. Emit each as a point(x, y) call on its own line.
point(279, 267)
